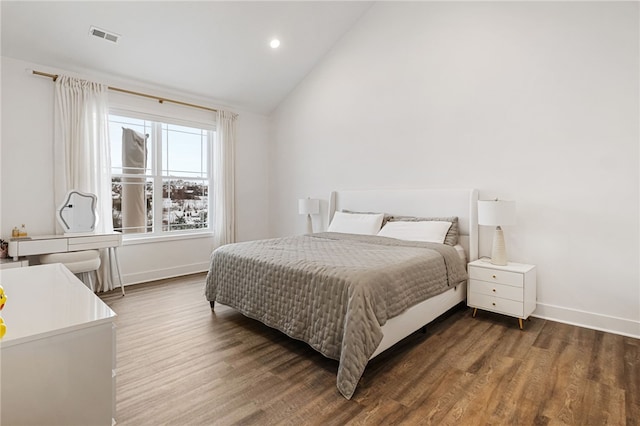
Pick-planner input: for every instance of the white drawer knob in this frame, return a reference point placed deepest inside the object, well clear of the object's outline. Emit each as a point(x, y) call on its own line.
point(493, 303)
point(494, 290)
point(493, 276)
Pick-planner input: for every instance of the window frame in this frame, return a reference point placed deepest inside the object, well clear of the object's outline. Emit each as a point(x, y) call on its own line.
point(155, 160)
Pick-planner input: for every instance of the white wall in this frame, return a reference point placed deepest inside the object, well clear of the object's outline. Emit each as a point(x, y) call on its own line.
point(536, 102)
point(27, 169)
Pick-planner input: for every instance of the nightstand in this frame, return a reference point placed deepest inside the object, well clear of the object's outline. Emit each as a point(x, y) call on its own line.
point(508, 290)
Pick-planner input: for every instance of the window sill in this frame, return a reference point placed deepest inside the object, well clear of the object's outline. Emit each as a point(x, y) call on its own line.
point(130, 240)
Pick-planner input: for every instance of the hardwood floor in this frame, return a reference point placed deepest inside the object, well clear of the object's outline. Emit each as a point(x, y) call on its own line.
point(181, 364)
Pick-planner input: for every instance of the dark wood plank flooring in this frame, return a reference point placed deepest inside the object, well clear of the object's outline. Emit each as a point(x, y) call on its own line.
point(181, 364)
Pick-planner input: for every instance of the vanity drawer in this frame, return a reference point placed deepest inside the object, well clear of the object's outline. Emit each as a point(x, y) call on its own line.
point(496, 304)
point(94, 242)
point(35, 246)
point(498, 290)
point(496, 276)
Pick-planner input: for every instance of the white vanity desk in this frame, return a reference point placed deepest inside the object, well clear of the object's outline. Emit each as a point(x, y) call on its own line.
point(47, 244)
point(58, 355)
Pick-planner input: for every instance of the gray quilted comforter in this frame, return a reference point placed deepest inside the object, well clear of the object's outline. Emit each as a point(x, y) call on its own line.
point(333, 291)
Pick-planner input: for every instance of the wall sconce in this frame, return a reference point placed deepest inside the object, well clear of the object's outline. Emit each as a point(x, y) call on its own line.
point(309, 206)
point(497, 213)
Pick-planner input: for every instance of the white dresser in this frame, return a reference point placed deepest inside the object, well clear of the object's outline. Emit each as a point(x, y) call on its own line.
point(58, 355)
point(509, 290)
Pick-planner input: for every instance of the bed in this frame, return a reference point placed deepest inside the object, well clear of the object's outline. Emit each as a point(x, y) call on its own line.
point(351, 296)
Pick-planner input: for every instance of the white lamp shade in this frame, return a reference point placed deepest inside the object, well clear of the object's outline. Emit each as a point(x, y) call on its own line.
point(496, 212)
point(308, 206)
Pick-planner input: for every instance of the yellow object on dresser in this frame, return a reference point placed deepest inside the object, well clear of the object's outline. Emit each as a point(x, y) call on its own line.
point(3, 300)
point(508, 290)
point(3, 297)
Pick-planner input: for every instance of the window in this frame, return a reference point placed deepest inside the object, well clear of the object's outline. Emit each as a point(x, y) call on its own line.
point(160, 175)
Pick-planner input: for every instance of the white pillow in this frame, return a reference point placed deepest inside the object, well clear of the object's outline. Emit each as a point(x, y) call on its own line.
point(432, 231)
point(356, 223)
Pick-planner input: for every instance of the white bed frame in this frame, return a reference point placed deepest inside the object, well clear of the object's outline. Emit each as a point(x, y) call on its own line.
point(418, 202)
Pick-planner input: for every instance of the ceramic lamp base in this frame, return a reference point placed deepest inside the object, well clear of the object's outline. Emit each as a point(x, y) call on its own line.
point(498, 251)
point(309, 225)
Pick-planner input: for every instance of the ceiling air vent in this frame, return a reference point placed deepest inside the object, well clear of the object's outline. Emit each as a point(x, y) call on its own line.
point(104, 34)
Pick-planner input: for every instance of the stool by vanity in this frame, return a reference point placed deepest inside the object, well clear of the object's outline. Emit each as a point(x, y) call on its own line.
point(84, 264)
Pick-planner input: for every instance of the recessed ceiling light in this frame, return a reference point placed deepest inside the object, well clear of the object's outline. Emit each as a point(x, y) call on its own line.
point(275, 43)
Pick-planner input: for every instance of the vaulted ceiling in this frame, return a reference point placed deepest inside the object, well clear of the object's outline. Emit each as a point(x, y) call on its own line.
point(215, 50)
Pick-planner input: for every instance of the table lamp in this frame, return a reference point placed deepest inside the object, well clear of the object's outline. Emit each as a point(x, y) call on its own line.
point(497, 213)
point(309, 206)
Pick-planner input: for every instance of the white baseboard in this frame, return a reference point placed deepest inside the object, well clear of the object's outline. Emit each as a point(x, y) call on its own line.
point(609, 324)
point(606, 323)
point(160, 274)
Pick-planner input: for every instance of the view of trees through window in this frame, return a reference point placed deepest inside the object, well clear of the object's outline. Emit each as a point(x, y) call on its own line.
point(159, 161)
point(185, 205)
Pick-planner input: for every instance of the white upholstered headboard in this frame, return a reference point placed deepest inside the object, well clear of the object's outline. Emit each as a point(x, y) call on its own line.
point(417, 202)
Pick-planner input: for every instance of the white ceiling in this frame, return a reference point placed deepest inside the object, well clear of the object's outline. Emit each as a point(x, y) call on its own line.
point(215, 50)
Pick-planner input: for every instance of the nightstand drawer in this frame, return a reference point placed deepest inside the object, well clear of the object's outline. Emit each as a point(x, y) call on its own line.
point(496, 276)
point(497, 290)
point(496, 304)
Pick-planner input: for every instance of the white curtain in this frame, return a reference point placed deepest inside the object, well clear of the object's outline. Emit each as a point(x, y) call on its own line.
point(82, 153)
point(224, 228)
